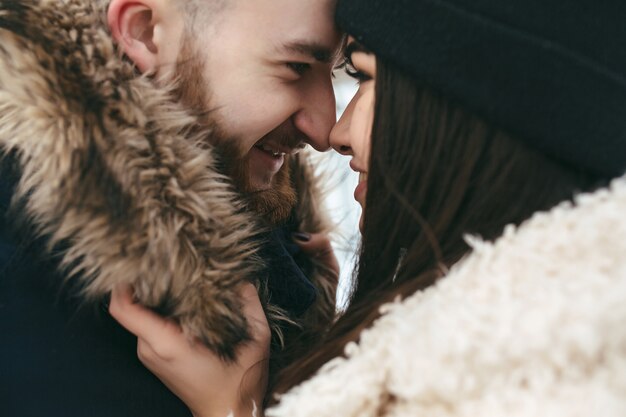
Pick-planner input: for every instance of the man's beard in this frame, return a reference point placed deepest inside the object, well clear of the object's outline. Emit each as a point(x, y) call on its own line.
point(276, 203)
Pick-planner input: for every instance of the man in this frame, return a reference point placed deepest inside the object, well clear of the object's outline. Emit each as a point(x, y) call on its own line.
point(112, 180)
point(266, 79)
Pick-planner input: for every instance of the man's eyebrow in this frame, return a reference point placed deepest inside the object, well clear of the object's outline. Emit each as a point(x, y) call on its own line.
point(317, 51)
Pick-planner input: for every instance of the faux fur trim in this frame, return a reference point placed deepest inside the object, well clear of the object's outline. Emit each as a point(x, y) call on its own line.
point(114, 170)
point(532, 324)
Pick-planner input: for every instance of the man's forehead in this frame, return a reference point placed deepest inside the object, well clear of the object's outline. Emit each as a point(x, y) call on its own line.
point(324, 53)
point(297, 26)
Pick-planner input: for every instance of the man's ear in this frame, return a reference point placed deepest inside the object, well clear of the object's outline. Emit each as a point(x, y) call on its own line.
point(132, 25)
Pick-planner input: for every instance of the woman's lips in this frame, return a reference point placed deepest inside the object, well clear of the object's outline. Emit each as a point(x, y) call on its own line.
point(361, 190)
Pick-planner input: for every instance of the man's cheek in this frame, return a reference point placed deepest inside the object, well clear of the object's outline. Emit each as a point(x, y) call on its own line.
point(262, 115)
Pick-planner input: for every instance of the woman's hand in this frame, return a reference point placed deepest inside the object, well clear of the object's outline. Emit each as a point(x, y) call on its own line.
point(318, 247)
point(209, 386)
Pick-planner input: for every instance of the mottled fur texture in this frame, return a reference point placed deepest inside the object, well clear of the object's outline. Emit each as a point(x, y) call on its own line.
point(116, 173)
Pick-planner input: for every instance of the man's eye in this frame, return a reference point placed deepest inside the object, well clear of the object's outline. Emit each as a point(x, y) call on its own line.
point(299, 68)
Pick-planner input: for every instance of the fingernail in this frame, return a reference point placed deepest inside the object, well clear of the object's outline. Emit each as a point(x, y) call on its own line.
point(302, 237)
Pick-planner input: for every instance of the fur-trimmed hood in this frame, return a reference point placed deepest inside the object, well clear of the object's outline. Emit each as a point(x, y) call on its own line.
point(532, 324)
point(115, 172)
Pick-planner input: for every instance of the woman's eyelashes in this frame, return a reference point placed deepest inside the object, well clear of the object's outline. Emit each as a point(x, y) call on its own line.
point(350, 68)
point(360, 76)
point(353, 71)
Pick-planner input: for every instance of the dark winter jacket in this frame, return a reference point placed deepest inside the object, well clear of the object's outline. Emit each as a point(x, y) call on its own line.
point(57, 357)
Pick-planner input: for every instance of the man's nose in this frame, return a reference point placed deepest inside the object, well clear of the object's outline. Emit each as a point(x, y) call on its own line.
point(317, 114)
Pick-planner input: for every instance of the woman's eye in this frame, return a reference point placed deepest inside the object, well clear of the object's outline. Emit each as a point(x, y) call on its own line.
point(299, 68)
point(360, 76)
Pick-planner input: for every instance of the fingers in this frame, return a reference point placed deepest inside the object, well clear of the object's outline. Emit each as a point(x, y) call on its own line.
point(318, 246)
point(190, 370)
point(137, 319)
point(164, 336)
point(314, 244)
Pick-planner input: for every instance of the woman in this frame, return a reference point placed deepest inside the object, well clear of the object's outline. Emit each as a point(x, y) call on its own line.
point(470, 117)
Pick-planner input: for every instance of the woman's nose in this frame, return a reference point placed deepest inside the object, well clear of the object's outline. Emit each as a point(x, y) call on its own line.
point(340, 135)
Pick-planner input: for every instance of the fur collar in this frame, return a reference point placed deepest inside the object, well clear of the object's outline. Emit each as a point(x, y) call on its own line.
point(532, 324)
point(112, 169)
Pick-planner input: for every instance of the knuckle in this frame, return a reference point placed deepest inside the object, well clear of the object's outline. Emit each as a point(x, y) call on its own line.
point(151, 353)
point(144, 353)
point(163, 351)
point(114, 307)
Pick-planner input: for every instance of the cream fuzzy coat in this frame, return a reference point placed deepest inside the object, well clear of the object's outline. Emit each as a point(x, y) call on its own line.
point(531, 325)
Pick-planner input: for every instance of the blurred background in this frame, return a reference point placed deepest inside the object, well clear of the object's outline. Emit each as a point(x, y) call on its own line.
point(340, 182)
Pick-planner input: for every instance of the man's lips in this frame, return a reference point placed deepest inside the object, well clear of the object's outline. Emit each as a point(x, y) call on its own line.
point(267, 157)
point(272, 150)
point(276, 149)
point(266, 161)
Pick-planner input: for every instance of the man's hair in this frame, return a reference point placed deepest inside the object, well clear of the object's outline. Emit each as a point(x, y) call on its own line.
point(201, 11)
point(193, 10)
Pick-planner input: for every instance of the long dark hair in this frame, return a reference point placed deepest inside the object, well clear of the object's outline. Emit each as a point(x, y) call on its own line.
point(437, 172)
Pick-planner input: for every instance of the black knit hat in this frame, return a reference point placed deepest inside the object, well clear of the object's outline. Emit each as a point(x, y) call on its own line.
point(552, 72)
